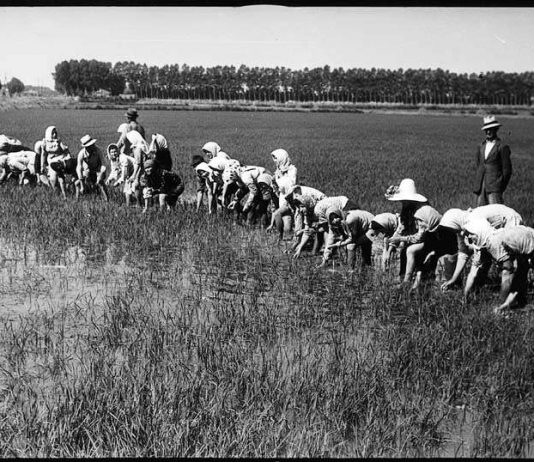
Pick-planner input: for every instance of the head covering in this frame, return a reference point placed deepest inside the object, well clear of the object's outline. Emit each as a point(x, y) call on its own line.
point(490, 122)
point(212, 147)
point(197, 159)
point(150, 163)
point(158, 142)
point(405, 192)
point(87, 141)
point(454, 219)
point(112, 145)
point(281, 159)
point(203, 167)
point(132, 113)
point(218, 163)
point(429, 216)
point(334, 211)
point(481, 229)
point(136, 140)
point(387, 221)
point(265, 178)
point(48, 132)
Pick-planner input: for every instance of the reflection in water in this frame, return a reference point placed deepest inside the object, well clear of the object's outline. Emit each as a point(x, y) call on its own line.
point(32, 277)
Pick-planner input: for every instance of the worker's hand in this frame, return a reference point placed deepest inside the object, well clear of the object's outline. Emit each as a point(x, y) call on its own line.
point(447, 285)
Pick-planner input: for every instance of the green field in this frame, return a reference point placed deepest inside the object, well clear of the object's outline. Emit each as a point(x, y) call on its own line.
point(126, 334)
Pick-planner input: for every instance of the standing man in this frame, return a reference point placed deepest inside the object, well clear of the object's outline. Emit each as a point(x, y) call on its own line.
point(493, 166)
point(132, 124)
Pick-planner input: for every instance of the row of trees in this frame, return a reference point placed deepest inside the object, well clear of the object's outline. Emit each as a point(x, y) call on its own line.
point(410, 86)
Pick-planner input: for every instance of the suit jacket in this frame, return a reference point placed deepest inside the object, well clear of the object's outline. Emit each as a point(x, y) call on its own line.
point(495, 171)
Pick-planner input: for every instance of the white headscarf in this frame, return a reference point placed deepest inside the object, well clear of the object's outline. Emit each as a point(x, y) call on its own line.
point(454, 219)
point(388, 221)
point(212, 147)
point(281, 159)
point(481, 229)
point(203, 167)
point(218, 163)
point(429, 216)
point(112, 145)
point(266, 178)
point(48, 132)
point(158, 142)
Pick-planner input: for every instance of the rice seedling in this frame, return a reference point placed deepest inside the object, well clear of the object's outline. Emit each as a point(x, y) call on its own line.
point(183, 334)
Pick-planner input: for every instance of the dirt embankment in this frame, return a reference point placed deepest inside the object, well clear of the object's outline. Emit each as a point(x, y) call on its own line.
point(66, 102)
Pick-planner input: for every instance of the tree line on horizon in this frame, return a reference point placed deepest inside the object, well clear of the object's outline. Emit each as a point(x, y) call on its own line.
point(282, 84)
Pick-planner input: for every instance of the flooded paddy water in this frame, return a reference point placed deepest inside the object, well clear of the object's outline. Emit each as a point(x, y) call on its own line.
point(303, 319)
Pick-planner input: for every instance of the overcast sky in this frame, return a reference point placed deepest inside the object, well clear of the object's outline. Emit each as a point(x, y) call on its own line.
point(35, 39)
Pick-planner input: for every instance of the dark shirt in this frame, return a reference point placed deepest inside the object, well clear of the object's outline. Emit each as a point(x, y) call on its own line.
point(163, 158)
point(163, 181)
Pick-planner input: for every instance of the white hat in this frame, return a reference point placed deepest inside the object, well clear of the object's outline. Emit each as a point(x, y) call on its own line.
point(490, 122)
point(406, 192)
point(87, 141)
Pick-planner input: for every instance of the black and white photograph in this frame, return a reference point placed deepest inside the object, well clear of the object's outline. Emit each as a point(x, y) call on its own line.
point(266, 231)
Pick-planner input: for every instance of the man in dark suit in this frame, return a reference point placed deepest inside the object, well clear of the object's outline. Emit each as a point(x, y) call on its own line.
point(493, 166)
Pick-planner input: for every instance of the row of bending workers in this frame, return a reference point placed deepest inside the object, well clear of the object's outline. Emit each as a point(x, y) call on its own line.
point(418, 233)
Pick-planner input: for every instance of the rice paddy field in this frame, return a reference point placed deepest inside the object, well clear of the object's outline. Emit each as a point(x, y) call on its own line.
point(182, 334)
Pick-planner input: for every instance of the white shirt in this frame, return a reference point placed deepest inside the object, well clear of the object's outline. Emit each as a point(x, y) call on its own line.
point(489, 147)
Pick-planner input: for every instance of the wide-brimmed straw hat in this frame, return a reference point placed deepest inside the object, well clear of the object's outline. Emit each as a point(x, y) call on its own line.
point(406, 192)
point(490, 122)
point(132, 112)
point(87, 141)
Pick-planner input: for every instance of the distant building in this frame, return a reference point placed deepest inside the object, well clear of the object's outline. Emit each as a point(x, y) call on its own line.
point(101, 93)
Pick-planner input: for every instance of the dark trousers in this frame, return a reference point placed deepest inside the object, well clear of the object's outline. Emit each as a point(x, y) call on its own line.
point(485, 198)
